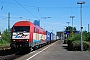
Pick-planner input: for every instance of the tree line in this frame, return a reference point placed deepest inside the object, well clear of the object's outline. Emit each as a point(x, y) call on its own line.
point(73, 40)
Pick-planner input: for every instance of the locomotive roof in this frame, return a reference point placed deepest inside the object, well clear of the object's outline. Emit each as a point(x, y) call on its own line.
point(21, 23)
point(39, 27)
point(27, 23)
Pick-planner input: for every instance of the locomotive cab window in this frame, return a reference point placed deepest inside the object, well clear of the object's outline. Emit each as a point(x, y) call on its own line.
point(21, 28)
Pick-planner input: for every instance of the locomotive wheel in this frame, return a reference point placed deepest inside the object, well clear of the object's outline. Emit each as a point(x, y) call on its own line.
point(40, 46)
point(35, 47)
point(31, 49)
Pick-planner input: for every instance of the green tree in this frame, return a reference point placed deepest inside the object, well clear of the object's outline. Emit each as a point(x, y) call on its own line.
point(70, 28)
point(6, 36)
point(84, 35)
point(74, 41)
point(88, 36)
point(74, 28)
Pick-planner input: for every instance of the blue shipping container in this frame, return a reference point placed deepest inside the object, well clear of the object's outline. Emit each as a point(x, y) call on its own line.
point(52, 36)
point(47, 36)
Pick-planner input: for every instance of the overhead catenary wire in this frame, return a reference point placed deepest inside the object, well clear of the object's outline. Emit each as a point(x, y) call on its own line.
point(38, 9)
point(39, 12)
point(26, 9)
point(2, 6)
point(15, 4)
point(42, 6)
point(8, 3)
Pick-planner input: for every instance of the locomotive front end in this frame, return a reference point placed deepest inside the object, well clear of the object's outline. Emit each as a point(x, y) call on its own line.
point(20, 37)
point(25, 35)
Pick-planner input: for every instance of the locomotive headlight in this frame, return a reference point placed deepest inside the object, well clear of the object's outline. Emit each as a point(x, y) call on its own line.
point(27, 40)
point(13, 40)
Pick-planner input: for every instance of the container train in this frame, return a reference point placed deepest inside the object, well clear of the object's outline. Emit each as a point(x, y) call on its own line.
point(26, 35)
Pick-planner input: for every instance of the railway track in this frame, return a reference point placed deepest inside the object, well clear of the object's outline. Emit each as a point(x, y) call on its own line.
point(10, 54)
point(4, 47)
point(6, 53)
point(7, 57)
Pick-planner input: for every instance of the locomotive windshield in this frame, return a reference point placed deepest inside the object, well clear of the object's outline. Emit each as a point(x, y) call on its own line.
point(21, 28)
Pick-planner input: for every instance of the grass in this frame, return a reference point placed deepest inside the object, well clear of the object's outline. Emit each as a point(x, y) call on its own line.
point(8, 44)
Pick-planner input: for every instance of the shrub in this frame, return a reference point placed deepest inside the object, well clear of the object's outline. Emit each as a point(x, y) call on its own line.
point(76, 45)
point(3, 42)
point(6, 36)
point(86, 45)
point(74, 37)
point(74, 41)
point(88, 38)
point(69, 44)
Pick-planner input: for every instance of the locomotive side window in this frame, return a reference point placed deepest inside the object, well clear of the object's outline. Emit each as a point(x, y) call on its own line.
point(34, 30)
point(21, 28)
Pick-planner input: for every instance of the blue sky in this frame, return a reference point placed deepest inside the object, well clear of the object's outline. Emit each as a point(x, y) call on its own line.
point(59, 11)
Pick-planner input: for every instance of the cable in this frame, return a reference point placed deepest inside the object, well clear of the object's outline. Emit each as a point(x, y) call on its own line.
point(43, 7)
point(1, 7)
point(25, 9)
point(32, 5)
point(15, 4)
point(63, 7)
point(38, 9)
point(39, 12)
point(8, 3)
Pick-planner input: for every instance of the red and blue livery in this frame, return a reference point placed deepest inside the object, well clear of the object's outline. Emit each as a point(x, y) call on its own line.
point(27, 35)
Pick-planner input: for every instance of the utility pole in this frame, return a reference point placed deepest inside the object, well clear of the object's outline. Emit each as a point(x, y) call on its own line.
point(68, 29)
point(88, 28)
point(72, 21)
point(81, 23)
point(68, 25)
point(9, 22)
point(52, 29)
